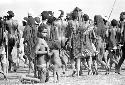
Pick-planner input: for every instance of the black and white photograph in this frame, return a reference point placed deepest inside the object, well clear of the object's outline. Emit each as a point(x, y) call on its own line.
point(62, 42)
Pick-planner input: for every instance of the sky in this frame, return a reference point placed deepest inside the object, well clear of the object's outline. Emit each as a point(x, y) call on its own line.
point(90, 7)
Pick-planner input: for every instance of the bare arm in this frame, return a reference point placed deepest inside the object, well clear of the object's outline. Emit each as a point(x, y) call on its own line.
point(50, 53)
point(122, 27)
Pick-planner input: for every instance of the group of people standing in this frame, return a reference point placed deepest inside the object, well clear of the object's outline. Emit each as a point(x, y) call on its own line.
point(51, 41)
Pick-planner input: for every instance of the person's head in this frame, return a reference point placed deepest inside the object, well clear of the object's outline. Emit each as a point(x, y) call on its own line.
point(37, 21)
point(114, 22)
point(74, 15)
point(10, 14)
point(46, 15)
point(85, 17)
point(122, 16)
point(98, 19)
point(42, 31)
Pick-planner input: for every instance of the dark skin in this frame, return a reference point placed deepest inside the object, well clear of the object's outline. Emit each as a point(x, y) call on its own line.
point(11, 28)
point(41, 48)
point(41, 52)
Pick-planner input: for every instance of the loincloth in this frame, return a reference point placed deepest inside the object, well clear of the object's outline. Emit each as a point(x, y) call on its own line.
point(42, 67)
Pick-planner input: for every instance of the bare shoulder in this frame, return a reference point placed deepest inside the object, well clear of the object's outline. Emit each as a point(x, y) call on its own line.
point(41, 41)
point(38, 43)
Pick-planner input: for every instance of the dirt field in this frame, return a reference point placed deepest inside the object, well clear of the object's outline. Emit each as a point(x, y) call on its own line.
point(101, 79)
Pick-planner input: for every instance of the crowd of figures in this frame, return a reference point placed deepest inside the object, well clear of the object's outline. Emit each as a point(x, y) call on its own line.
point(52, 42)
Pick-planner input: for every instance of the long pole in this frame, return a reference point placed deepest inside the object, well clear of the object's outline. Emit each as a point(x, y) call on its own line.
point(112, 9)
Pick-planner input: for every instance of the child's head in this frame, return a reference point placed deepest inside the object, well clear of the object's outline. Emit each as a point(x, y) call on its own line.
point(42, 31)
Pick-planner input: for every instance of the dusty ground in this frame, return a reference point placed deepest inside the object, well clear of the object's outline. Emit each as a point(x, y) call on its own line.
point(101, 79)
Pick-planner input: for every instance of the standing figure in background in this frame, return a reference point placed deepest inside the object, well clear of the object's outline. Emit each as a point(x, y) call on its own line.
point(112, 43)
point(12, 28)
point(30, 39)
point(122, 20)
point(100, 32)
